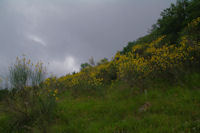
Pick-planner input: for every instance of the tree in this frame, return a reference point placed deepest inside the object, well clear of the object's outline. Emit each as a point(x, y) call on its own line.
point(91, 61)
point(84, 65)
point(102, 61)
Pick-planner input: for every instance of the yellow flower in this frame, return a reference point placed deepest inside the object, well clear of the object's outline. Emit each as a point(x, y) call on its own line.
point(57, 98)
point(56, 91)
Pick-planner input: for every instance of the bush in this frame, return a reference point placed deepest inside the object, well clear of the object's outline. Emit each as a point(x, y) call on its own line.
point(157, 61)
point(29, 104)
point(24, 73)
point(3, 94)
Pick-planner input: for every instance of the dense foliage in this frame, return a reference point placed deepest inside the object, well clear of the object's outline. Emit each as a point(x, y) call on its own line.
point(172, 22)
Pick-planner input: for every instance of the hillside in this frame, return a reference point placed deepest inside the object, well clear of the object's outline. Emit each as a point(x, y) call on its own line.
point(118, 108)
point(151, 86)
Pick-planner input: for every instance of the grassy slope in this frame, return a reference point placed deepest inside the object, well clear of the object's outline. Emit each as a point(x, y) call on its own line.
point(173, 108)
point(115, 109)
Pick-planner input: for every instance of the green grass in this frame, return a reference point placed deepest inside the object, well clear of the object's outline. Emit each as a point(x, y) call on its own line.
point(115, 109)
point(174, 108)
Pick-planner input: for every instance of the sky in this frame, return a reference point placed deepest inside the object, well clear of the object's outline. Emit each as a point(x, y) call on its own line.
point(65, 33)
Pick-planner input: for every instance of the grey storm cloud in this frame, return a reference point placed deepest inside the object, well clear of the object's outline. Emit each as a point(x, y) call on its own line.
point(66, 33)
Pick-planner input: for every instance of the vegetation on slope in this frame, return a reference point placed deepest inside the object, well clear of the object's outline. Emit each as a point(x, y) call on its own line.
point(121, 108)
point(172, 22)
point(150, 86)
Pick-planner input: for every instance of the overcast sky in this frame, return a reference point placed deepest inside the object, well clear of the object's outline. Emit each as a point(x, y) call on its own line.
point(65, 33)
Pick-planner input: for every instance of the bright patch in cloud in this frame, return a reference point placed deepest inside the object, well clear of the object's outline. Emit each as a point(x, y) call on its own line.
point(64, 67)
point(37, 40)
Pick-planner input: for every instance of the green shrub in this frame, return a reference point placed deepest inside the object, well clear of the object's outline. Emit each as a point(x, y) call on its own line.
point(29, 104)
point(24, 73)
point(3, 94)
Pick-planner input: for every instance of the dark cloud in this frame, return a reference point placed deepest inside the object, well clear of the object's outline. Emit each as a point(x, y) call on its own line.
point(65, 33)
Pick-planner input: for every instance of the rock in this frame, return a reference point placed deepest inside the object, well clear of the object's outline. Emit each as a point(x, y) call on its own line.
point(145, 107)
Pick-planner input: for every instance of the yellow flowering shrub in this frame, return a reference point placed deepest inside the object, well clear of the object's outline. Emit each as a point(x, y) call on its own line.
point(86, 79)
point(106, 72)
point(142, 62)
point(136, 66)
